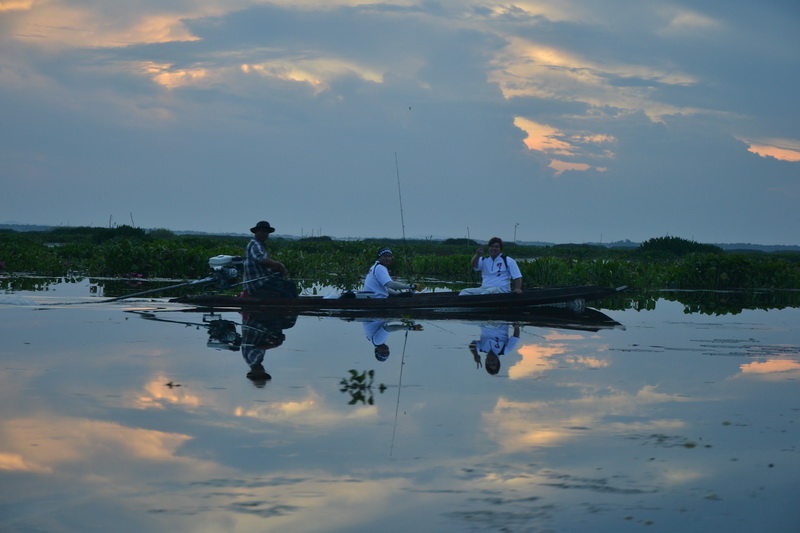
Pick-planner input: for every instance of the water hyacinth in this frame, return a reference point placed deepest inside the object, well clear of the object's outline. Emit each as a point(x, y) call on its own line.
point(662, 263)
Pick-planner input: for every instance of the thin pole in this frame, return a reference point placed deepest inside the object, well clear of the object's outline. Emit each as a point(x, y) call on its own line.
point(399, 388)
point(161, 289)
point(402, 219)
point(400, 196)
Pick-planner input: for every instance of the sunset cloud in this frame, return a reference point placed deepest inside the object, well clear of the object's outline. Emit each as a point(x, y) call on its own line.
point(320, 95)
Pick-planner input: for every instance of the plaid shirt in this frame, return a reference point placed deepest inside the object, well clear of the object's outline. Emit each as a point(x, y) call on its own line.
point(254, 267)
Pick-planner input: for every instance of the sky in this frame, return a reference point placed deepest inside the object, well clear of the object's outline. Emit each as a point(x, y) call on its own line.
point(556, 121)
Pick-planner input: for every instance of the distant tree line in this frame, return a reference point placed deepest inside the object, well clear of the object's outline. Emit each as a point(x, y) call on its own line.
point(658, 263)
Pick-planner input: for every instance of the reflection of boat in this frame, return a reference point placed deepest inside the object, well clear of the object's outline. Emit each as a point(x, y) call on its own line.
point(583, 318)
point(261, 331)
point(441, 302)
point(222, 334)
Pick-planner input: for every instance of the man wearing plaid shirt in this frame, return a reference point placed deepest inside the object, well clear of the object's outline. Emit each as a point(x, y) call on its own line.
point(265, 277)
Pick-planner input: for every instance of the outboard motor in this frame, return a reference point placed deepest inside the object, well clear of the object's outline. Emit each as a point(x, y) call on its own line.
point(226, 269)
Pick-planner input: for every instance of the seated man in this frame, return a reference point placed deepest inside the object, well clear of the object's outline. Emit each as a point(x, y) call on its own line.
point(264, 277)
point(497, 271)
point(379, 282)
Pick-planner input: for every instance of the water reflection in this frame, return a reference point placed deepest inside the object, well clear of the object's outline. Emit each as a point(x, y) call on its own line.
point(262, 332)
point(678, 422)
point(222, 334)
point(495, 341)
point(377, 332)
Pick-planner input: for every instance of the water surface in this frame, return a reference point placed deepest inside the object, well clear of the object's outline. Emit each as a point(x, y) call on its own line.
point(122, 417)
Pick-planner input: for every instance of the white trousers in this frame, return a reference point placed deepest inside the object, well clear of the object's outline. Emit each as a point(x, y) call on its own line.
point(481, 290)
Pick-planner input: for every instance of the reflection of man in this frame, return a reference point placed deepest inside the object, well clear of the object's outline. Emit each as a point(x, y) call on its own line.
point(377, 331)
point(494, 342)
point(262, 332)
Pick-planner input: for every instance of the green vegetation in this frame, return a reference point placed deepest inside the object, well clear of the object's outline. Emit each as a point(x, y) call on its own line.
point(660, 263)
point(359, 386)
point(675, 247)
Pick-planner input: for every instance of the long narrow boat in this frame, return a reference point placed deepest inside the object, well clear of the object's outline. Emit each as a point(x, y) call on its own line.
point(441, 302)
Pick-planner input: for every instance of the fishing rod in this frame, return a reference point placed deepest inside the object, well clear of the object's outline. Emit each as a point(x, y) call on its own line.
point(160, 289)
point(224, 269)
point(399, 388)
point(402, 218)
point(400, 197)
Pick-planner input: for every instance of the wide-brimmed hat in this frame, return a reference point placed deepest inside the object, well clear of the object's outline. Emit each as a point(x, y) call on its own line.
point(263, 224)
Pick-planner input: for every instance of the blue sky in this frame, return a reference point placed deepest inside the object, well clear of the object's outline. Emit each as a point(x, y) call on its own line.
point(568, 121)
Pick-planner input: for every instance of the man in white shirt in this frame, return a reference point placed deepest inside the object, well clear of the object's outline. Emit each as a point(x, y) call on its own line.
point(497, 271)
point(378, 280)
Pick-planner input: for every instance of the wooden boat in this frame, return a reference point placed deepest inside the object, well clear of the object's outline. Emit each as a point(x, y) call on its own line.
point(446, 302)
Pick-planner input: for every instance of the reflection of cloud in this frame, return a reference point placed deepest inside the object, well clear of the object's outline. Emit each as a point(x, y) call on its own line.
point(624, 403)
point(587, 361)
point(525, 425)
point(291, 499)
point(648, 394)
point(309, 411)
point(535, 359)
point(518, 426)
point(778, 369)
point(680, 476)
point(538, 358)
point(560, 336)
point(42, 444)
point(773, 365)
point(158, 395)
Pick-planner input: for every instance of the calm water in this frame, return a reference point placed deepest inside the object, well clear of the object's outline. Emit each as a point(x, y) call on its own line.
point(116, 419)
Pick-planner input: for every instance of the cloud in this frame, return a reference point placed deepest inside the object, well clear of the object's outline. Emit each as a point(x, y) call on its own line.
point(684, 21)
point(784, 150)
point(309, 102)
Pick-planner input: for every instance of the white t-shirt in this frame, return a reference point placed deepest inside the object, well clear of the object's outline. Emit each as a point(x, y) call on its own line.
point(376, 331)
point(376, 280)
point(495, 274)
point(496, 339)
